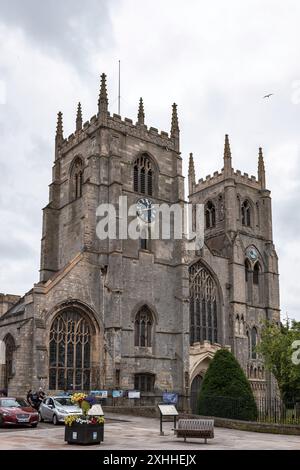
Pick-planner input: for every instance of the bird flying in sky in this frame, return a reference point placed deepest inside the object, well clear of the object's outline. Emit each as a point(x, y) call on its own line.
point(268, 96)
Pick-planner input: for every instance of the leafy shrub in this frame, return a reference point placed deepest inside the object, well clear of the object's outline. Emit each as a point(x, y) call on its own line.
point(226, 391)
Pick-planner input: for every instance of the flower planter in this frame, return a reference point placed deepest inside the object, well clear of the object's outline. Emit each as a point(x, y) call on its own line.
point(85, 434)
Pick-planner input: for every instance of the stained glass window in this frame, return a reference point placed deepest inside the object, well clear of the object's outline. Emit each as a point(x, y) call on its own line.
point(9, 355)
point(69, 352)
point(203, 305)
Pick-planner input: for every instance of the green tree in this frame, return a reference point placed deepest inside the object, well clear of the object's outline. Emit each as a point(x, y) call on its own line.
point(226, 391)
point(281, 354)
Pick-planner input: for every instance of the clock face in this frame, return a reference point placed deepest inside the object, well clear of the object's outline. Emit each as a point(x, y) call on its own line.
point(145, 210)
point(252, 252)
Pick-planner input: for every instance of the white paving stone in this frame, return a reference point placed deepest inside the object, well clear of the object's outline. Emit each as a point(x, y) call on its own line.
point(131, 432)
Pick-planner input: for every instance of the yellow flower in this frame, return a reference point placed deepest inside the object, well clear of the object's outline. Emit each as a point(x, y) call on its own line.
point(69, 420)
point(78, 397)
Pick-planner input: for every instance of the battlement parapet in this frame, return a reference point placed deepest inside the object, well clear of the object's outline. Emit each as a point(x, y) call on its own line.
point(126, 126)
point(218, 177)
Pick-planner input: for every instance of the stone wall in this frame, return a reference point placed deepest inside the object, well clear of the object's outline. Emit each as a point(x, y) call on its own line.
point(251, 426)
point(7, 301)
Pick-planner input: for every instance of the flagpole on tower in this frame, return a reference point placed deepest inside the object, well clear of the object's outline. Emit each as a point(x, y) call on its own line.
point(119, 90)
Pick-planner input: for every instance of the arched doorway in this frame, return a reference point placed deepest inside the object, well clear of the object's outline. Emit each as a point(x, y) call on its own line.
point(195, 389)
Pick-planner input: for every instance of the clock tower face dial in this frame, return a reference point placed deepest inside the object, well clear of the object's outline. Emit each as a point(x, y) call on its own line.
point(145, 210)
point(252, 253)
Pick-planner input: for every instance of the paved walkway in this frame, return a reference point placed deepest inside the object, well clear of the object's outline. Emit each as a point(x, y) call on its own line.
point(131, 432)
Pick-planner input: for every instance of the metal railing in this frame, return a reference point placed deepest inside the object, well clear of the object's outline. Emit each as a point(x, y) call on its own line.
point(274, 410)
point(269, 410)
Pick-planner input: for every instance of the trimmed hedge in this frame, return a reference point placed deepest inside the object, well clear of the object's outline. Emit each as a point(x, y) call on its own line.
point(226, 391)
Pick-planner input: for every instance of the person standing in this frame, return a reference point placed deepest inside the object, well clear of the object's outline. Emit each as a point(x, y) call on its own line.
point(41, 396)
point(29, 397)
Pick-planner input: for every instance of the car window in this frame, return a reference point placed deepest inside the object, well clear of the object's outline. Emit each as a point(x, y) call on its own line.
point(63, 402)
point(13, 402)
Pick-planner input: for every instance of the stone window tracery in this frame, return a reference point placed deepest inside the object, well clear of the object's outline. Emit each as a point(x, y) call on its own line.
point(77, 178)
point(210, 215)
point(143, 175)
point(203, 305)
point(143, 328)
point(9, 357)
point(246, 213)
point(69, 352)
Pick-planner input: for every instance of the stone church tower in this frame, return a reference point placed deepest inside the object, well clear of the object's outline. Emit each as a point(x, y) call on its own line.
point(140, 313)
point(106, 313)
point(241, 256)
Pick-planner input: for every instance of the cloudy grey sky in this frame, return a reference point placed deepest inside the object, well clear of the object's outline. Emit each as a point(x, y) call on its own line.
point(215, 59)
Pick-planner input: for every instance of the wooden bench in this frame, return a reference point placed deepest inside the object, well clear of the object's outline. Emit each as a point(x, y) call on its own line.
point(203, 428)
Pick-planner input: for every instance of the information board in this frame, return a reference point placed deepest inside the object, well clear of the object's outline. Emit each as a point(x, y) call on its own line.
point(168, 410)
point(99, 393)
point(170, 398)
point(134, 394)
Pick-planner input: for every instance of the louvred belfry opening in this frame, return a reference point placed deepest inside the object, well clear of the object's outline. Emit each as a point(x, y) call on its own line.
point(143, 175)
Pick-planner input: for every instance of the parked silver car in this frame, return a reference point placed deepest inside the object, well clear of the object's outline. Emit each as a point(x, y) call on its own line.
point(55, 409)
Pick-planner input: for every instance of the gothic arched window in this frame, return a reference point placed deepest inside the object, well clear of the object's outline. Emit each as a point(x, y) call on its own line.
point(247, 270)
point(256, 272)
point(70, 352)
point(249, 344)
point(248, 275)
point(10, 347)
point(203, 305)
point(76, 178)
point(257, 283)
point(253, 342)
point(143, 175)
point(143, 328)
point(210, 215)
point(246, 213)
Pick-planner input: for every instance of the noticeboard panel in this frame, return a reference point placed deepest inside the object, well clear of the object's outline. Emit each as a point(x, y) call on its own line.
point(168, 410)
